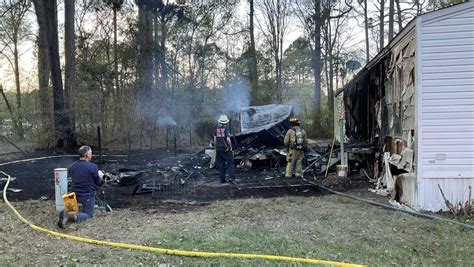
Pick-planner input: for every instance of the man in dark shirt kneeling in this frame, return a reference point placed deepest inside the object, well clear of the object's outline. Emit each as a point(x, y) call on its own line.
point(85, 179)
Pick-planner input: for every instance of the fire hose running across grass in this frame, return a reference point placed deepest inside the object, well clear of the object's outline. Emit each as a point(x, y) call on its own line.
point(164, 250)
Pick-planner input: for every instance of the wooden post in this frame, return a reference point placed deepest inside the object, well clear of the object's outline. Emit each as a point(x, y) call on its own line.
point(341, 141)
point(174, 138)
point(330, 154)
point(167, 136)
point(99, 141)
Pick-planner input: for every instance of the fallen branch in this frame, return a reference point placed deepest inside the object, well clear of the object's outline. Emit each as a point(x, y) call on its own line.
point(468, 204)
point(13, 144)
point(16, 124)
point(447, 203)
point(330, 154)
point(459, 210)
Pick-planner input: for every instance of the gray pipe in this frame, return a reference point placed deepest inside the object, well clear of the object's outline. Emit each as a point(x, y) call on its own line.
point(371, 202)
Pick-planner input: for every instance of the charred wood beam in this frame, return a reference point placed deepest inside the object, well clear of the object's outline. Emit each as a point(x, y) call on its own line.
point(353, 116)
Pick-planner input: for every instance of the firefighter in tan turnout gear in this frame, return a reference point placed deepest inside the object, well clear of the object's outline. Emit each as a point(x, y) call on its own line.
point(295, 143)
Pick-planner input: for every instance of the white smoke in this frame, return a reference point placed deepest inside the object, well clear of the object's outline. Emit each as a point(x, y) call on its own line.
point(297, 104)
point(188, 107)
point(166, 120)
point(235, 95)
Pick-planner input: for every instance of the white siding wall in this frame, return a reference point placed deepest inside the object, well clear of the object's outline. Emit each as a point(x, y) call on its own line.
point(445, 82)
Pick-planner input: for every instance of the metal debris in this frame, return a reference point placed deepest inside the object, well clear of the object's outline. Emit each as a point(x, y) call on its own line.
point(14, 190)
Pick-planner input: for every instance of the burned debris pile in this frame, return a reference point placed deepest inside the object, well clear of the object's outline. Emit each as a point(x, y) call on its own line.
point(188, 179)
point(260, 143)
point(3, 181)
point(162, 176)
point(259, 146)
point(259, 154)
point(263, 126)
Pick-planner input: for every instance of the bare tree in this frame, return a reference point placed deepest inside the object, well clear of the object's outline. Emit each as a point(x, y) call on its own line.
point(64, 132)
point(381, 9)
point(70, 60)
point(116, 6)
point(146, 95)
point(145, 48)
point(274, 26)
point(391, 21)
point(335, 14)
point(210, 22)
point(399, 15)
point(367, 24)
point(309, 13)
point(253, 69)
point(366, 30)
point(43, 77)
point(12, 32)
point(206, 22)
point(163, 18)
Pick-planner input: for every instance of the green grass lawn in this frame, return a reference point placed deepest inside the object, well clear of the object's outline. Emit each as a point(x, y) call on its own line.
point(326, 227)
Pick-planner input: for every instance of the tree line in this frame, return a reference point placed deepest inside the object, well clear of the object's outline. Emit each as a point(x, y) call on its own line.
point(154, 72)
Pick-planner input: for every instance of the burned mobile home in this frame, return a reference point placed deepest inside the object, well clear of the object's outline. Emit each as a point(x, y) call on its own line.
point(260, 137)
point(260, 140)
point(415, 103)
point(259, 143)
point(263, 125)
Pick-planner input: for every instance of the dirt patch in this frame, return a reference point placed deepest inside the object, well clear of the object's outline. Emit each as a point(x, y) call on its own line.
point(336, 182)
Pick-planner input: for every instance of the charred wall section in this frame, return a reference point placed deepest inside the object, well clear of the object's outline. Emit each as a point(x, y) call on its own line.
point(380, 111)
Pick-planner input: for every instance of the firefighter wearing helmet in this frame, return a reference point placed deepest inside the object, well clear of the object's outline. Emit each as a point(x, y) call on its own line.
point(224, 155)
point(295, 143)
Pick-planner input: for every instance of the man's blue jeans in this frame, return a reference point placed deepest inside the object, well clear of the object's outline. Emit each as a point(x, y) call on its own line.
point(88, 203)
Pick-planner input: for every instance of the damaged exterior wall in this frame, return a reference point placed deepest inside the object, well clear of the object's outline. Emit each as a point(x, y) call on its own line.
point(400, 106)
point(414, 102)
point(380, 110)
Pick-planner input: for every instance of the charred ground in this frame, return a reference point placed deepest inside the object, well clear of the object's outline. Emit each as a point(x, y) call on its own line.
point(164, 179)
point(269, 216)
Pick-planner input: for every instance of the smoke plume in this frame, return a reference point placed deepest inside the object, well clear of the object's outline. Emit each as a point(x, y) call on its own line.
point(235, 95)
point(166, 120)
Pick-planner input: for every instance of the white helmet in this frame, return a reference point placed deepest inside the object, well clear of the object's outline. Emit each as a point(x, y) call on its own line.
point(223, 119)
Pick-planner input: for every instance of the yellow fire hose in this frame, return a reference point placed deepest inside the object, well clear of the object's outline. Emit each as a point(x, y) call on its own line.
point(164, 250)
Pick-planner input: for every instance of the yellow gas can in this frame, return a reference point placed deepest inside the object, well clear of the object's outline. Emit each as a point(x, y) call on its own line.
point(70, 203)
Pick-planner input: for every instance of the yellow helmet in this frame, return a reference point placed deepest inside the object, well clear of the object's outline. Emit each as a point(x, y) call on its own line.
point(223, 119)
point(295, 120)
